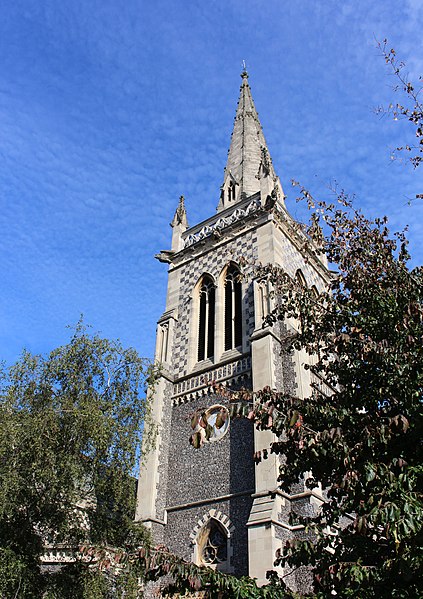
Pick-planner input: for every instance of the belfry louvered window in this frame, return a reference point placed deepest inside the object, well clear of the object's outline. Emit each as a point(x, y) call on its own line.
point(231, 191)
point(233, 309)
point(206, 319)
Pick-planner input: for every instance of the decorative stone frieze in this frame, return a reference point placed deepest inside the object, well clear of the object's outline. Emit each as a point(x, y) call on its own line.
point(222, 222)
point(201, 382)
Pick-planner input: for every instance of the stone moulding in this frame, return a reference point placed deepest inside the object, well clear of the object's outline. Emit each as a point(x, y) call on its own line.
point(217, 515)
point(188, 389)
point(223, 222)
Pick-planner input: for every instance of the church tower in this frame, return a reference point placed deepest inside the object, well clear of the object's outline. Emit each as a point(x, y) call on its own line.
point(213, 505)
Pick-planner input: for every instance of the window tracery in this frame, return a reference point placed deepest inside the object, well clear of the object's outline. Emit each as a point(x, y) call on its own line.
point(218, 419)
point(213, 544)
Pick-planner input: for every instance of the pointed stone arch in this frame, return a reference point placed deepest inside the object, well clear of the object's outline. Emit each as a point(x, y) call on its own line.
point(203, 275)
point(217, 515)
point(229, 191)
point(212, 520)
point(315, 291)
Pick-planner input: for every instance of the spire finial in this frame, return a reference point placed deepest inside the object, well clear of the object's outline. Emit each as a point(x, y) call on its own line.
point(180, 210)
point(180, 214)
point(244, 73)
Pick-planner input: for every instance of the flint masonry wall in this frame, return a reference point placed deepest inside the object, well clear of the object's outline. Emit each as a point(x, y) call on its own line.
point(216, 470)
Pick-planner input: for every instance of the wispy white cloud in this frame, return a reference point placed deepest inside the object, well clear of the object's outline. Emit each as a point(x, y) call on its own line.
point(109, 112)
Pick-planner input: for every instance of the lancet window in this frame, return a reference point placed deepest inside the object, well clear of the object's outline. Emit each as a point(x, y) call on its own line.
point(263, 299)
point(233, 308)
point(206, 319)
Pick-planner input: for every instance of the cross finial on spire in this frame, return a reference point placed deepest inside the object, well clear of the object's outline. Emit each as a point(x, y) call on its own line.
point(244, 73)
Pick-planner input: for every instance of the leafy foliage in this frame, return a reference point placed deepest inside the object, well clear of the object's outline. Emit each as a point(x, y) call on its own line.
point(359, 433)
point(69, 439)
point(175, 575)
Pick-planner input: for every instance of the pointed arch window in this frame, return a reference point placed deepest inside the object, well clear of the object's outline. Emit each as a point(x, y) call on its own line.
point(213, 544)
point(206, 319)
point(264, 306)
point(233, 308)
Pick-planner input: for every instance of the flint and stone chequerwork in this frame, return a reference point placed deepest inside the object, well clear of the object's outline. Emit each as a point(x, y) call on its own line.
point(213, 505)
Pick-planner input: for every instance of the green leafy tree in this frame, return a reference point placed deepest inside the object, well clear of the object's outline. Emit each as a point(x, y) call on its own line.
point(359, 433)
point(69, 442)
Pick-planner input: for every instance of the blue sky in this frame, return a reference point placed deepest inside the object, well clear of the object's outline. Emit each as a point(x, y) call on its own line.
point(110, 110)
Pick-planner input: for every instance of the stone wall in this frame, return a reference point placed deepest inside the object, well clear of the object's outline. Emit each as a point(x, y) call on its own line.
point(218, 469)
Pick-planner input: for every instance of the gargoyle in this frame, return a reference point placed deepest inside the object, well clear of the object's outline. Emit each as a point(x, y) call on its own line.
point(165, 256)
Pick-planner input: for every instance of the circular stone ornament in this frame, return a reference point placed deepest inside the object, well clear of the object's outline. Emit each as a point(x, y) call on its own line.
point(218, 418)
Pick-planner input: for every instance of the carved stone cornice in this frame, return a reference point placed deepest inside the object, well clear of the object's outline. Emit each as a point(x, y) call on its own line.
point(222, 222)
point(198, 384)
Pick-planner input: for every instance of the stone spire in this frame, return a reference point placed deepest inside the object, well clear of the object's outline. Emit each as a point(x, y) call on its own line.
point(248, 157)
